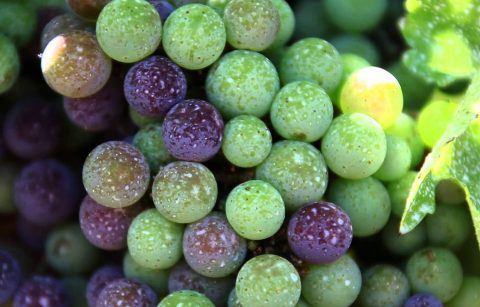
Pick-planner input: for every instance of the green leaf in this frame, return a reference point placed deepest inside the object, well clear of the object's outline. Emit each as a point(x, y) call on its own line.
point(444, 37)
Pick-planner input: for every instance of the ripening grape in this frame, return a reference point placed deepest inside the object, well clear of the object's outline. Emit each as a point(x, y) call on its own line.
point(184, 192)
point(268, 280)
point(375, 92)
point(287, 24)
point(423, 299)
point(301, 111)
point(18, 21)
point(449, 192)
point(449, 226)
point(366, 202)
point(319, 232)
point(10, 276)
point(397, 160)
point(255, 209)
point(357, 45)
point(163, 7)
point(351, 63)
point(154, 85)
point(435, 270)
point(398, 191)
point(194, 36)
point(41, 290)
point(88, 9)
point(149, 140)
point(433, 119)
point(129, 30)
point(153, 241)
point(247, 141)
point(9, 64)
point(251, 24)
point(312, 59)
point(336, 284)
point(8, 174)
point(116, 174)
point(242, 82)
point(354, 146)
point(193, 130)
point(406, 128)
point(129, 292)
point(356, 16)
point(186, 298)
point(468, 295)
point(99, 279)
point(157, 279)
point(62, 24)
point(403, 244)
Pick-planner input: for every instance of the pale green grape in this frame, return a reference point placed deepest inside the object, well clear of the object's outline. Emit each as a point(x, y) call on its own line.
point(149, 140)
point(287, 24)
point(397, 161)
point(186, 298)
point(351, 63)
point(157, 279)
point(433, 119)
point(406, 128)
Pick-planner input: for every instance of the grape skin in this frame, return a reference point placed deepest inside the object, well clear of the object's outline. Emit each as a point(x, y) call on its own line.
point(41, 290)
point(130, 292)
point(99, 279)
point(157, 279)
point(9, 64)
point(61, 24)
point(88, 9)
point(187, 298)
point(10, 276)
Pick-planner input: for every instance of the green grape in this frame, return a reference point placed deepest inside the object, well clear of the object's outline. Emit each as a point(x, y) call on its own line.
point(397, 161)
point(255, 210)
point(469, 294)
point(233, 300)
point(142, 121)
point(76, 287)
point(268, 280)
point(366, 202)
point(398, 191)
point(17, 21)
point(335, 284)
point(153, 241)
point(403, 245)
point(354, 15)
point(8, 173)
point(251, 24)
point(287, 24)
point(375, 92)
point(186, 298)
point(351, 63)
point(433, 119)
point(68, 252)
point(436, 271)
point(354, 146)
point(312, 59)
point(358, 45)
point(157, 279)
point(9, 63)
point(415, 90)
point(194, 36)
point(406, 128)
point(384, 285)
point(297, 170)
point(218, 5)
point(129, 30)
point(311, 19)
point(184, 192)
point(149, 140)
point(246, 141)
point(242, 82)
point(449, 226)
point(301, 111)
point(449, 192)
point(179, 3)
point(300, 303)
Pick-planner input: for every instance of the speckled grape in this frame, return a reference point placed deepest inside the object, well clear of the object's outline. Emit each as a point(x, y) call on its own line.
point(41, 290)
point(186, 298)
point(423, 299)
point(287, 24)
point(242, 82)
point(61, 24)
point(163, 7)
point(194, 36)
point(153, 241)
point(351, 63)
point(297, 170)
point(397, 160)
point(406, 244)
point(354, 146)
point(157, 279)
point(116, 174)
point(10, 276)
point(246, 141)
point(301, 111)
point(312, 59)
point(251, 24)
point(99, 279)
point(154, 85)
point(129, 30)
point(74, 65)
point(149, 140)
point(88, 9)
point(319, 232)
point(18, 21)
point(406, 128)
point(9, 64)
point(255, 209)
point(184, 192)
point(268, 280)
point(126, 292)
point(449, 226)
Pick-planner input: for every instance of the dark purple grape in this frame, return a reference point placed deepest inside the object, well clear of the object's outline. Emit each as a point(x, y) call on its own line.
point(101, 278)
point(320, 232)
point(129, 292)
point(41, 291)
point(211, 246)
point(423, 300)
point(88, 9)
point(32, 235)
point(10, 276)
point(33, 130)
point(46, 192)
point(182, 277)
point(105, 227)
point(163, 7)
point(154, 85)
point(97, 112)
point(193, 130)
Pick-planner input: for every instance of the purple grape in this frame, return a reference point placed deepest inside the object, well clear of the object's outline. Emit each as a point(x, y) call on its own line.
point(193, 130)
point(32, 235)
point(99, 280)
point(320, 232)
point(33, 130)
point(46, 192)
point(164, 8)
point(41, 291)
point(129, 292)
point(423, 300)
point(104, 227)
point(211, 246)
point(154, 85)
point(10, 276)
point(182, 277)
point(97, 112)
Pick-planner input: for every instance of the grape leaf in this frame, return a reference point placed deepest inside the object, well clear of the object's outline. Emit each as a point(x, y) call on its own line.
point(444, 37)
